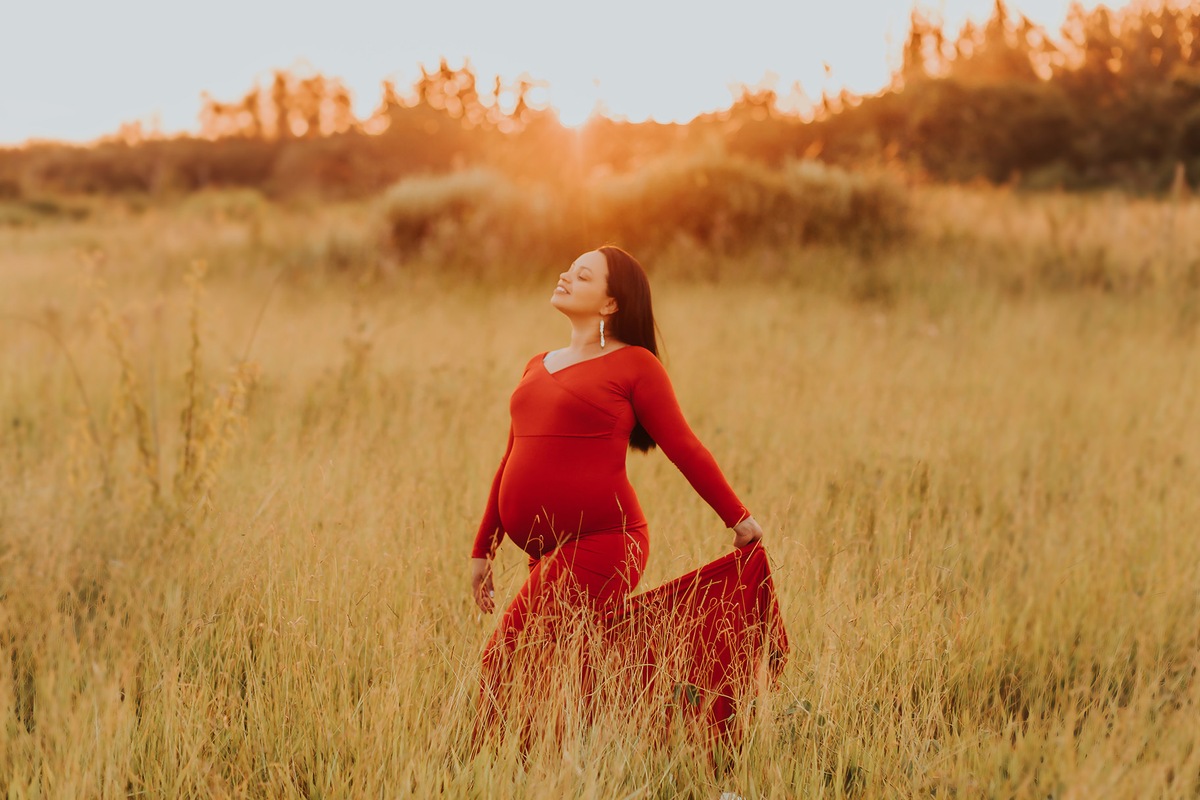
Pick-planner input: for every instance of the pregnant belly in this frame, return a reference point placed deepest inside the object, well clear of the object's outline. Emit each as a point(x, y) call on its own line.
point(556, 489)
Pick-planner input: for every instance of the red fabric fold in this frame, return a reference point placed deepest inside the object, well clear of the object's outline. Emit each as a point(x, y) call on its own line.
point(699, 647)
point(707, 640)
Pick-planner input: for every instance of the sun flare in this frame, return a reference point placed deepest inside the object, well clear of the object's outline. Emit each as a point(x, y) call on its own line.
point(572, 114)
point(576, 102)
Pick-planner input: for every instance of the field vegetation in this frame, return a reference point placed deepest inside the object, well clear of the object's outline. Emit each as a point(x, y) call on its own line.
point(245, 444)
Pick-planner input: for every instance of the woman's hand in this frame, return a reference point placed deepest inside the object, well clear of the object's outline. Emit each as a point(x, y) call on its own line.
point(482, 590)
point(746, 532)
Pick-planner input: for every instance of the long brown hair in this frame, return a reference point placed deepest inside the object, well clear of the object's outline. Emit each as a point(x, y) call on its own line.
point(633, 323)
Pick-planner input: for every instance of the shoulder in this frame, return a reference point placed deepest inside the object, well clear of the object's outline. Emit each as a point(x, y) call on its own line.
point(534, 361)
point(641, 363)
point(640, 355)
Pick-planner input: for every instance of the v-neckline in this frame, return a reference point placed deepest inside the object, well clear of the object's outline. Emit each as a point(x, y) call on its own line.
point(546, 369)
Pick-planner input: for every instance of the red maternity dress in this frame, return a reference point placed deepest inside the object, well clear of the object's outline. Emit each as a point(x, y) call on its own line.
point(562, 495)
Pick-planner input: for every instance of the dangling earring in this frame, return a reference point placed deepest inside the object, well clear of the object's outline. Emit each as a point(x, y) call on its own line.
point(601, 334)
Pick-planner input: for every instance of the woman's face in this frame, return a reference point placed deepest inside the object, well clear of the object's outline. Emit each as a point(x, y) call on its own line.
point(583, 289)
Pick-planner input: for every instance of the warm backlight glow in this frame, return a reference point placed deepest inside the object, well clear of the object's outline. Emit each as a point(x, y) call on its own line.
point(574, 108)
point(668, 60)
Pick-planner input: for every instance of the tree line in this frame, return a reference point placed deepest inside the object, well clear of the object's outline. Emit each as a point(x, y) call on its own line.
point(1111, 99)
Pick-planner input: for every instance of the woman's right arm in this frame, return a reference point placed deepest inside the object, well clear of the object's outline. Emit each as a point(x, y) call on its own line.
point(491, 530)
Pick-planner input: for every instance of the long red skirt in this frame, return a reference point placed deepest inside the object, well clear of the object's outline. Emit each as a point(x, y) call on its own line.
point(696, 649)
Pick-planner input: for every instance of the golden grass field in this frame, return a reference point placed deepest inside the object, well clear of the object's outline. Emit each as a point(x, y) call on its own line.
point(976, 458)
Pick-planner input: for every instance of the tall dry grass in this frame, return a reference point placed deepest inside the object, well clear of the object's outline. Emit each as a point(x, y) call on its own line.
point(978, 482)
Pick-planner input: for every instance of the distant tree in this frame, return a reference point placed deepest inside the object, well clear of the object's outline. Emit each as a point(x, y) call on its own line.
point(1002, 50)
point(923, 54)
point(387, 112)
point(280, 107)
point(308, 106)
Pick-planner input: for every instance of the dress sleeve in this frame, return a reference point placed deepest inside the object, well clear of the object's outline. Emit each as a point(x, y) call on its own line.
point(658, 411)
point(491, 531)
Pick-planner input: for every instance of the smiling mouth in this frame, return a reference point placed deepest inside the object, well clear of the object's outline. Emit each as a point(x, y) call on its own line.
point(558, 289)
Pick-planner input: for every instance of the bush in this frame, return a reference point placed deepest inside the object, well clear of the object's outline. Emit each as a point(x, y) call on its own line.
point(220, 205)
point(473, 217)
point(834, 206)
point(726, 204)
point(31, 211)
point(709, 201)
point(716, 201)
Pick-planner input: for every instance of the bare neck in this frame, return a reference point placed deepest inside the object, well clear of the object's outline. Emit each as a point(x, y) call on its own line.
point(585, 336)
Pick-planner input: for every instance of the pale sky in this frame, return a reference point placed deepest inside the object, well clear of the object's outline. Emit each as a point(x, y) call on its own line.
point(76, 69)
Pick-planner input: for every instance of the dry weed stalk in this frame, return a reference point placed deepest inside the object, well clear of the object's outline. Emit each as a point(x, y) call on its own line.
point(129, 392)
point(358, 344)
point(208, 434)
point(224, 420)
point(207, 429)
point(191, 380)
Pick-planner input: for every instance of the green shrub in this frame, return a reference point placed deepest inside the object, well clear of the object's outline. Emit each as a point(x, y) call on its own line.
point(17, 215)
point(31, 211)
point(221, 205)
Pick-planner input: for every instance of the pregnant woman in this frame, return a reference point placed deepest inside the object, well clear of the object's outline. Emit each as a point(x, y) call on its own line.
point(561, 494)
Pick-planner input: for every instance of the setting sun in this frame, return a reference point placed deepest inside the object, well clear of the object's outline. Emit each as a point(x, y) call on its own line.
point(575, 108)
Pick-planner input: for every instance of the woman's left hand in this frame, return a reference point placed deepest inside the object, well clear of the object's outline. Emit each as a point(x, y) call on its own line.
point(746, 532)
